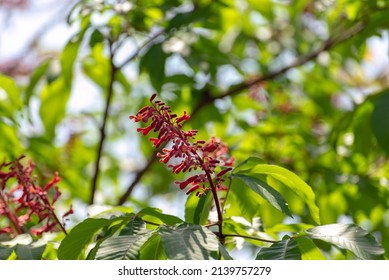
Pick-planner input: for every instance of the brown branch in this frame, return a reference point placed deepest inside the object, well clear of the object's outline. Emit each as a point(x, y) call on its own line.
point(96, 172)
point(138, 176)
point(208, 99)
point(327, 45)
point(114, 70)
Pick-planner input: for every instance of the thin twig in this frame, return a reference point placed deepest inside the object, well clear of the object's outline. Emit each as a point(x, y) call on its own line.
point(145, 44)
point(137, 178)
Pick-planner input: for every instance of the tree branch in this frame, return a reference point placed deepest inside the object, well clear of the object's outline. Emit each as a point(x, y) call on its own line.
point(114, 70)
point(138, 176)
point(327, 45)
point(96, 172)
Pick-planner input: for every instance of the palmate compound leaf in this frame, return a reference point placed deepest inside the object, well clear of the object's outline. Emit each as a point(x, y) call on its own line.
point(188, 242)
point(133, 227)
point(267, 192)
point(290, 180)
point(125, 247)
point(74, 245)
point(286, 249)
point(350, 237)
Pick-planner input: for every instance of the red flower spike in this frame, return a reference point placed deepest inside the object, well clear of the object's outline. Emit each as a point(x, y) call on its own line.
point(26, 202)
point(193, 155)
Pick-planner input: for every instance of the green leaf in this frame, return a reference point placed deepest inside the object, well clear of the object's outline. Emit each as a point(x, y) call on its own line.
point(309, 251)
point(55, 95)
point(126, 247)
point(10, 101)
point(76, 242)
point(199, 14)
point(5, 252)
point(152, 249)
point(29, 252)
point(9, 138)
point(156, 213)
point(242, 202)
point(10, 88)
point(97, 66)
point(179, 79)
point(108, 233)
point(188, 242)
point(223, 251)
point(96, 37)
point(248, 164)
point(380, 121)
point(39, 72)
point(291, 180)
point(54, 98)
point(153, 62)
point(197, 209)
point(350, 237)
point(68, 57)
point(134, 227)
point(267, 192)
point(286, 249)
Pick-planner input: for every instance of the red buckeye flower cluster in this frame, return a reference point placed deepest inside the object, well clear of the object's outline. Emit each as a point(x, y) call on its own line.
point(24, 203)
point(185, 154)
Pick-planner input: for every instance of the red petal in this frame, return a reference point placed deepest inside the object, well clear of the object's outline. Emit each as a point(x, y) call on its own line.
point(221, 173)
point(55, 180)
point(195, 187)
point(152, 97)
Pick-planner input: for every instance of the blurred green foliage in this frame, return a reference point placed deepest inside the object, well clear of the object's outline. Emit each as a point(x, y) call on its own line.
point(325, 118)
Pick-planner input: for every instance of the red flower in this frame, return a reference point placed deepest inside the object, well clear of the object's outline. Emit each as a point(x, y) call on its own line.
point(20, 203)
point(204, 155)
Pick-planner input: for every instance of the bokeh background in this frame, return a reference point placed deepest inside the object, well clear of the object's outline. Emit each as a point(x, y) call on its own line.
point(302, 84)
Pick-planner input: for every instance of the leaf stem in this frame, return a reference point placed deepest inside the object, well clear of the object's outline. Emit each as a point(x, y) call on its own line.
point(250, 237)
